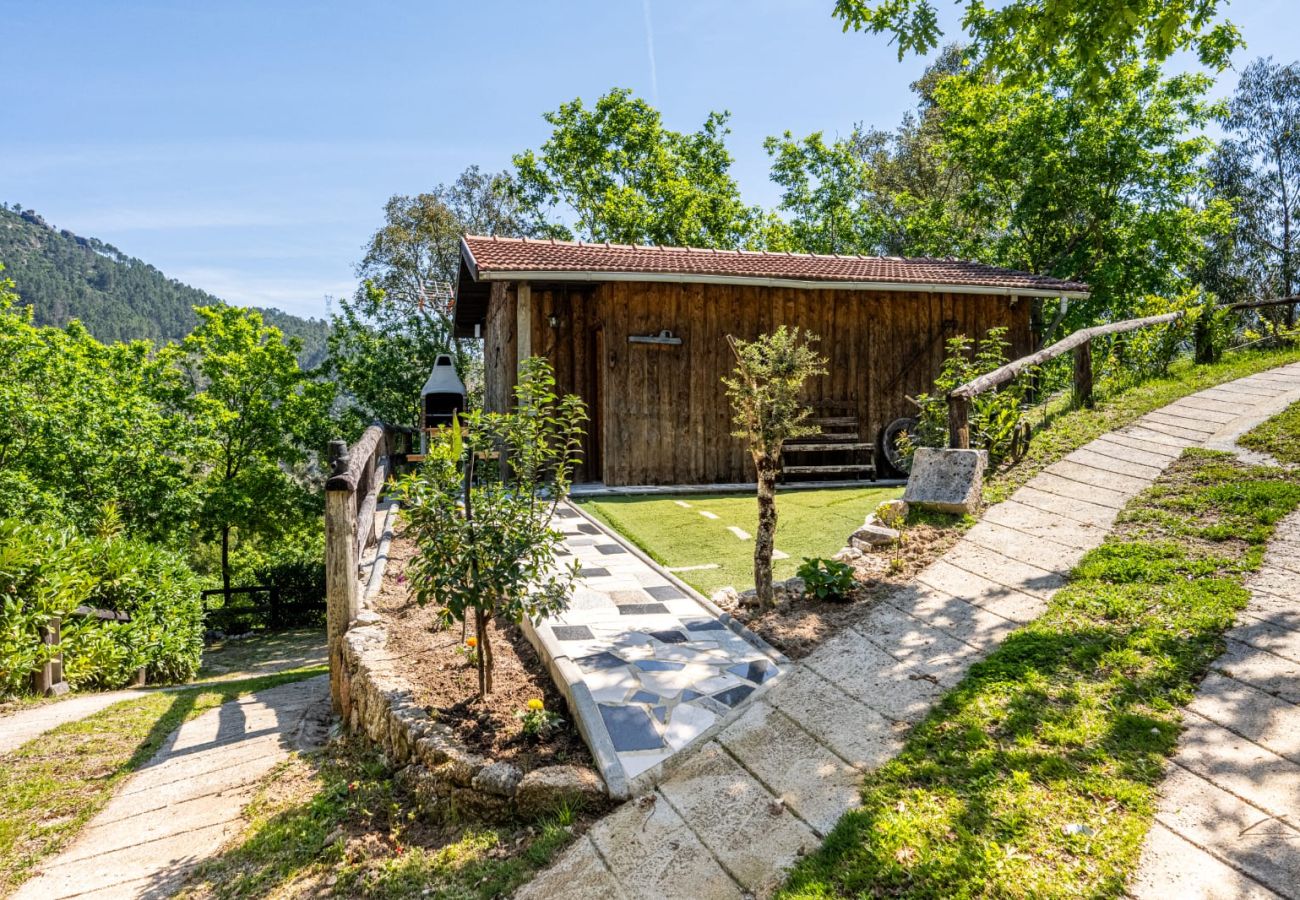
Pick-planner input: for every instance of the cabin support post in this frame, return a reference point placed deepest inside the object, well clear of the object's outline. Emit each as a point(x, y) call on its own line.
point(1083, 374)
point(523, 322)
point(958, 423)
point(342, 587)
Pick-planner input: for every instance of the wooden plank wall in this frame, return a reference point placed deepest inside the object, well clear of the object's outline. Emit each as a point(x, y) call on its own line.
point(666, 419)
point(499, 363)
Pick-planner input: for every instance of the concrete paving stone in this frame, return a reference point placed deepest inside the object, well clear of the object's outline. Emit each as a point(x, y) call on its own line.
point(1267, 720)
point(815, 783)
point(1278, 581)
point(1026, 548)
point(750, 832)
point(1050, 526)
point(1174, 427)
point(1157, 436)
point(580, 874)
point(1266, 671)
point(855, 732)
point(964, 621)
point(1241, 767)
point(1261, 846)
point(866, 672)
point(1116, 443)
point(1214, 402)
point(1206, 411)
point(1187, 418)
point(1171, 866)
point(1097, 458)
point(1270, 635)
point(1116, 482)
point(652, 853)
point(1003, 570)
point(1068, 489)
point(918, 643)
point(1075, 510)
point(1236, 392)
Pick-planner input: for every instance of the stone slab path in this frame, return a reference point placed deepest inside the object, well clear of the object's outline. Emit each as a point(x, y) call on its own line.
point(730, 818)
point(1228, 824)
point(185, 802)
point(659, 666)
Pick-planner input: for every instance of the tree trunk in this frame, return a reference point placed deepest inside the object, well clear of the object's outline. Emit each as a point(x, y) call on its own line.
point(481, 652)
point(766, 468)
point(225, 562)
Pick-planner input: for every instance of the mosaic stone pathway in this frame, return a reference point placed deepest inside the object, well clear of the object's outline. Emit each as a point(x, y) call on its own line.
point(1228, 824)
point(738, 809)
point(661, 666)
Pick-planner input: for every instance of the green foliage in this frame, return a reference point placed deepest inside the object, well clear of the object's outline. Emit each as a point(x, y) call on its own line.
point(1023, 39)
point(621, 176)
point(994, 416)
point(538, 721)
point(63, 276)
point(827, 579)
point(1279, 437)
point(1071, 719)
point(483, 528)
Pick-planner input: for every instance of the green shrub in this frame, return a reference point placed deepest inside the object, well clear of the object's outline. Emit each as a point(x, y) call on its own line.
point(827, 579)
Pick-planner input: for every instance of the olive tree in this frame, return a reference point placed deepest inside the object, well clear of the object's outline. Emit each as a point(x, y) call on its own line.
point(480, 511)
point(764, 392)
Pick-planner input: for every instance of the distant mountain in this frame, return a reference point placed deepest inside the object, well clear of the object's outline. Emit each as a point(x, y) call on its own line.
point(117, 297)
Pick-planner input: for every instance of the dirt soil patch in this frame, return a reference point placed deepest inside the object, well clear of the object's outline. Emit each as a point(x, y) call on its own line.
point(446, 683)
point(799, 625)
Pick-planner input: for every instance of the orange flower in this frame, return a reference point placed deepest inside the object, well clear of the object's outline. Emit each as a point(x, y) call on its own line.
point(471, 642)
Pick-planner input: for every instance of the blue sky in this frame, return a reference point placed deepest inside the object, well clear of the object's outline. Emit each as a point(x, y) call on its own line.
point(247, 148)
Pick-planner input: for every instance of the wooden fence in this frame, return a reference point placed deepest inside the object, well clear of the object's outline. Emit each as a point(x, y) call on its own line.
point(1080, 343)
point(48, 679)
point(352, 493)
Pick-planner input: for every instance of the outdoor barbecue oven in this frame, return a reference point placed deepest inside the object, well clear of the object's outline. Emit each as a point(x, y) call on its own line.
point(442, 397)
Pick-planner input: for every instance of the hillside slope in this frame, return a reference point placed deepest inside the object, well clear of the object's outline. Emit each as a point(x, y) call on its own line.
point(119, 298)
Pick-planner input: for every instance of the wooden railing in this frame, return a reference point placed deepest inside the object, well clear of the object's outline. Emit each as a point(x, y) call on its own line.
point(357, 475)
point(1080, 342)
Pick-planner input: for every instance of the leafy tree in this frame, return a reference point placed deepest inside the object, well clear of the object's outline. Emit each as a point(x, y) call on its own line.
point(764, 391)
point(487, 548)
point(1257, 169)
point(252, 412)
point(1023, 40)
point(385, 339)
point(619, 175)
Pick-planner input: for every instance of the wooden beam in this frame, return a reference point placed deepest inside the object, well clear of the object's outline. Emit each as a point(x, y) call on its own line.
point(342, 587)
point(958, 422)
point(523, 322)
point(1083, 374)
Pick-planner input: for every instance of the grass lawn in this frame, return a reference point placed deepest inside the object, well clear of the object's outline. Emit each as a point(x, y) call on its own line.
point(1037, 775)
point(51, 786)
point(336, 825)
point(675, 533)
point(1279, 436)
point(1070, 430)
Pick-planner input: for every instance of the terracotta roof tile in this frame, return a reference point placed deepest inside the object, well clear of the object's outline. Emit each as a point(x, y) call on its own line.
point(502, 256)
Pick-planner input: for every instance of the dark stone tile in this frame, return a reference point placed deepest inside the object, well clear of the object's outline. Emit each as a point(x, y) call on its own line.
point(660, 713)
point(669, 637)
point(562, 552)
point(665, 592)
point(592, 572)
point(645, 697)
point(705, 625)
point(601, 660)
point(630, 728)
point(659, 665)
point(688, 695)
point(642, 609)
point(757, 671)
point(732, 696)
point(610, 549)
point(565, 513)
point(571, 632)
point(588, 528)
point(623, 597)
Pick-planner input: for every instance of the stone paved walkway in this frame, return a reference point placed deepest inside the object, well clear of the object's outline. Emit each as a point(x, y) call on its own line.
point(185, 802)
point(1228, 824)
point(734, 815)
point(660, 665)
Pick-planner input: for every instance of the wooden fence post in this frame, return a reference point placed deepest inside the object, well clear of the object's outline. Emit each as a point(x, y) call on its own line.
point(342, 588)
point(48, 679)
point(1083, 374)
point(959, 423)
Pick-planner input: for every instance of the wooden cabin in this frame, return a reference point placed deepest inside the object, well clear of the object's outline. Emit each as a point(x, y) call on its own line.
point(640, 334)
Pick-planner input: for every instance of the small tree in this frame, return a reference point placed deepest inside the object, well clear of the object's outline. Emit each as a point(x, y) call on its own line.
point(483, 526)
point(764, 394)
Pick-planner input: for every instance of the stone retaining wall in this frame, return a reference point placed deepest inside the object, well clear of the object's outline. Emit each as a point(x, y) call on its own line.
point(429, 761)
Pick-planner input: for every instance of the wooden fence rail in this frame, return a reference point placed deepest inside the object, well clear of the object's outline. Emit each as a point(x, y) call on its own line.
point(48, 679)
point(1080, 342)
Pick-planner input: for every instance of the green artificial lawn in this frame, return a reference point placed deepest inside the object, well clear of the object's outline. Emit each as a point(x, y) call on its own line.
point(52, 785)
point(1037, 775)
point(1117, 407)
point(1279, 437)
point(810, 523)
point(336, 824)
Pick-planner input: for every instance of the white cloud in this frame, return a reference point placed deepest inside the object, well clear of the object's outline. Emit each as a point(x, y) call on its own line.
point(300, 296)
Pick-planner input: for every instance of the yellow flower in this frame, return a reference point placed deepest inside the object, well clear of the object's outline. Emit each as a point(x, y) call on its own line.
point(471, 642)
point(535, 704)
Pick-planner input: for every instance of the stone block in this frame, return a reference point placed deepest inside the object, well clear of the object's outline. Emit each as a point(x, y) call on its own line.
point(499, 778)
point(873, 536)
point(946, 480)
point(542, 791)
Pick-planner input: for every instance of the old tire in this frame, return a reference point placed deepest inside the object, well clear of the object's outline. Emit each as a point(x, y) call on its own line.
point(892, 462)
